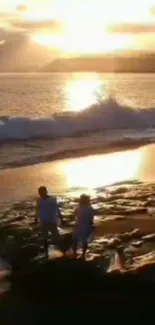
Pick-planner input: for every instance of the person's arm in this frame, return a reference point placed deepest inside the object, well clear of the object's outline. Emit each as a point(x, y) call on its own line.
point(92, 218)
point(36, 213)
point(76, 216)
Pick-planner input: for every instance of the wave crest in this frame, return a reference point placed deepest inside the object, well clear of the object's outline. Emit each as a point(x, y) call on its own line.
point(98, 117)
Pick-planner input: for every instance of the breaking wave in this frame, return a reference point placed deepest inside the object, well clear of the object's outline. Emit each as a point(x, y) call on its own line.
point(102, 116)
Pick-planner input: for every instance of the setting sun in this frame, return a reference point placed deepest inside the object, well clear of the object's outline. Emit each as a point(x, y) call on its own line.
point(83, 92)
point(86, 44)
point(85, 26)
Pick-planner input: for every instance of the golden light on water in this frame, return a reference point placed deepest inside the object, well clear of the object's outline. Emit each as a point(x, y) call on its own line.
point(82, 93)
point(101, 170)
point(78, 175)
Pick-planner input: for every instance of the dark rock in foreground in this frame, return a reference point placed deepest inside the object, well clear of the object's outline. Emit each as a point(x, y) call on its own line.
point(62, 287)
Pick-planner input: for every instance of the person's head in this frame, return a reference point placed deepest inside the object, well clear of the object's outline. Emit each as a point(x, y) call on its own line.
point(84, 200)
point(42, 191)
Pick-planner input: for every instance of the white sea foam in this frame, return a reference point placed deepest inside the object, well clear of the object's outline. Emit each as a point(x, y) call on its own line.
point(98, 117)
point(98, 128)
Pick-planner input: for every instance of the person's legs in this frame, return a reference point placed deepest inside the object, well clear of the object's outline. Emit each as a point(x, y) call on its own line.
point(85, 240)
point(44, 233)
point(84, 249)
point(56, 237)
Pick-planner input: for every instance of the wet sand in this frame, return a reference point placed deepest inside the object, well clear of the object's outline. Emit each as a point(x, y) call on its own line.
point(144, 223)
point(92, 172)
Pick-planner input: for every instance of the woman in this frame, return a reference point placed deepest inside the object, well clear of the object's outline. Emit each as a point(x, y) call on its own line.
point(84, 224)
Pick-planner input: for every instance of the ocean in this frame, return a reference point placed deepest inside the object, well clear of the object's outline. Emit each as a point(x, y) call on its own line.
point(51, 116)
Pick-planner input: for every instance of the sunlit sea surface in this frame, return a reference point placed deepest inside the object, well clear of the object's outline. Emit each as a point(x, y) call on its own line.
point(44, 94)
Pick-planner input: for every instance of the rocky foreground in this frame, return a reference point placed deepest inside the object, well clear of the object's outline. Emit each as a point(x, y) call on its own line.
point(125, 222)
point(120, 265)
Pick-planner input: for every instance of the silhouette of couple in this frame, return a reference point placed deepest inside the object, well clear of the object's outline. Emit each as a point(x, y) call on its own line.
point(48, 215)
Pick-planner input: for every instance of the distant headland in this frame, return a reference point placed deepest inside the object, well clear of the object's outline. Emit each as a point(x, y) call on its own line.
point(129, 63)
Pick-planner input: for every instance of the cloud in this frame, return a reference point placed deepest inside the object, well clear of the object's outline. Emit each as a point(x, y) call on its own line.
point(42, 24)
point(22, 8)
point(17, 30)
point(131, 28)
point(11, 23)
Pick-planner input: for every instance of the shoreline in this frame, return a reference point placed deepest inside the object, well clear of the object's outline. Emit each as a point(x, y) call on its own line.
point(21, 182)
point(79, 153)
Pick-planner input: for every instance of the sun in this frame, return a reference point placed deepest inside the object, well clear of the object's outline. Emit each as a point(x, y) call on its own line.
point(89, 88)
point(85, 25)
point(76, 43)
point(85, 36)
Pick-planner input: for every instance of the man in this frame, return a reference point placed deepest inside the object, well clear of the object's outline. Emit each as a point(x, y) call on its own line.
point(48, 214)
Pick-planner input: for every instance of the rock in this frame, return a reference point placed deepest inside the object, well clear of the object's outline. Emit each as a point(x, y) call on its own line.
point(116, 264)
point(102, 240)
point(147, 270)
point(114, 217)
point(137, 243)
point(19, 206)
point(130, 250)
point(23, 231)
point(151, 211)
point(19, 218)
point(135, 210)
point(120, 249)
point(125, 236)
point(150, 237)
point(102, 262)
point(136, 233)
point(112, 243)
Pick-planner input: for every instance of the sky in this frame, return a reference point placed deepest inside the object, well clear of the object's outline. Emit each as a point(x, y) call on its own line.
point(81, 26)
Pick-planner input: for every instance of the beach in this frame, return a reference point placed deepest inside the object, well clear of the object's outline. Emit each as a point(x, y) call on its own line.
point(123, 199)
point(106, 151)
point(120, 262)
point(119, 266)
point(77, 175)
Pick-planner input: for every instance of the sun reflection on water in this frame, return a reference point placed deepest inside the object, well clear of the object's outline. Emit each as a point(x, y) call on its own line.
point(83, 91)
point(101, 170)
